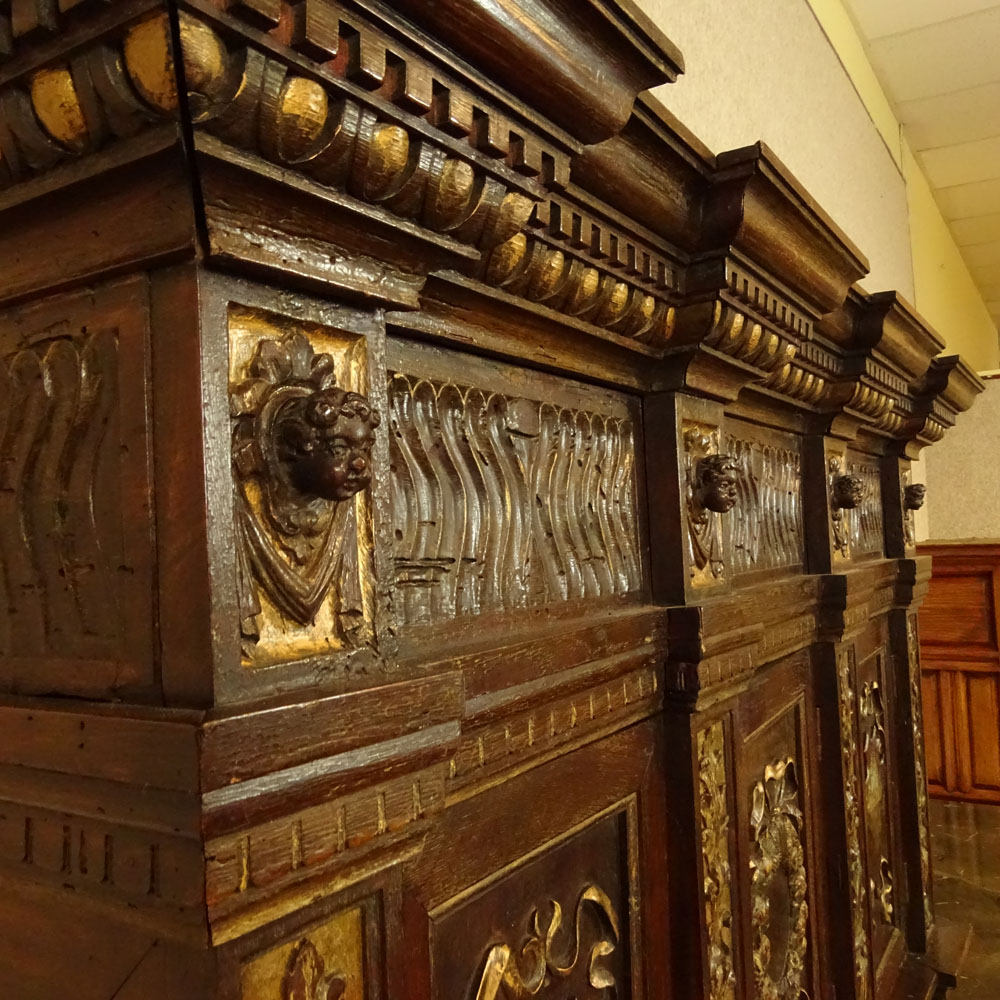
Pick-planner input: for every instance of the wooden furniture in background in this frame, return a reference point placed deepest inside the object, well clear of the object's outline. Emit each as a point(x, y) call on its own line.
point(455, 529)
point(960, 652)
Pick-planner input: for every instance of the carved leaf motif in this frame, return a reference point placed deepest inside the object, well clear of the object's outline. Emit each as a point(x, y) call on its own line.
point(916, 706)
point(306, 978)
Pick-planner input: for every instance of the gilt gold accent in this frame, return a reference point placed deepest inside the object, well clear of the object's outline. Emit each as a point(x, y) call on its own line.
point(711, 491)
point(390, 149)
point(325, 963)
point(716, 871)
point(150, 62)
point(516, 974)
point(304, 108)
point(916, 700)
point(852, 819)
point(57, 104)
point(777, 863)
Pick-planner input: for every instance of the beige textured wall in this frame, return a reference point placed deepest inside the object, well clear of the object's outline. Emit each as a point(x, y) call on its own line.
point(764, 69)
point(963, 474)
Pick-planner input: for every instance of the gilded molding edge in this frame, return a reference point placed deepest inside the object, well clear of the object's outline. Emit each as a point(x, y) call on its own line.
point(524, 972)
point(917, 715)
point(716, 867)
point(777, 852)
point(852, 817)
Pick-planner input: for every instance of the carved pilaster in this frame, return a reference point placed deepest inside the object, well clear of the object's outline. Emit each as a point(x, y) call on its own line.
point(716, 870)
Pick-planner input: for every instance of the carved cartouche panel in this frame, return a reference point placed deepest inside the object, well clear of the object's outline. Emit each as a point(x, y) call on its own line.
point(848, 707)
point(501, 502)
point(778, 886)
point(767, 534)
point(916, 703)
point(716, 869)
point(556, 925)
point(75, 550)
point(710, 492)
point(323, 963)
point(302, 440)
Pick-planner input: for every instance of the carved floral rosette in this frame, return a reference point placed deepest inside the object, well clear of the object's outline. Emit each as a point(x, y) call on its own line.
point(777, 852)
point(852, 820)
point(716, 871)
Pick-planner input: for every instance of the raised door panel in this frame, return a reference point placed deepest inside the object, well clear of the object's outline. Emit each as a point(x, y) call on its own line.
point(783, 901)
point(934, 737)
point(551, 884)
point(984, 730)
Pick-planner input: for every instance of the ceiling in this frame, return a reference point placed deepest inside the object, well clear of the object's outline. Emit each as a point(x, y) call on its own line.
point(939, 62)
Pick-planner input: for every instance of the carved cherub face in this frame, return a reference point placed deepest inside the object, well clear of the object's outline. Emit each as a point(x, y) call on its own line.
point(326, 442)
point(913, 496)
point(848, 492)
point(715, 488)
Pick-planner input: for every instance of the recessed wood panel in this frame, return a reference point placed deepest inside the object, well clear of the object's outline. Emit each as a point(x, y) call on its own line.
point(959, 611)
point(984, 729)
point(931, 691)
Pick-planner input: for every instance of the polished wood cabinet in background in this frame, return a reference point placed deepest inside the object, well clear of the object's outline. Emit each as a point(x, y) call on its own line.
point(960, 648)
point(456, 530)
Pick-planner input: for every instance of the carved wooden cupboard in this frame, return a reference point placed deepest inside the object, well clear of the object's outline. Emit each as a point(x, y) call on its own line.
point(456, 530)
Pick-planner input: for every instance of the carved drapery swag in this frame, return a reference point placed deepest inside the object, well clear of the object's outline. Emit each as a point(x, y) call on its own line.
point(301, 451)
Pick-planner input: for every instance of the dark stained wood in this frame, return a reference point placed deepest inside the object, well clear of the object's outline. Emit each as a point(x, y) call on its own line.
point(456, 530)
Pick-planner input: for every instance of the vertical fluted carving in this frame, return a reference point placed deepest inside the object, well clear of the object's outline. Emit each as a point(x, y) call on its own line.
point(503, 503)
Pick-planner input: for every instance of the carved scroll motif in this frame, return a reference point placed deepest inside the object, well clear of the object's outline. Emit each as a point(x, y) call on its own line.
point(502, 503)
point(852, 818)
point(307, 978)
point(61, 555)
point(301, 456)
point(767, 534)
point(778, 871)
point(717, 874)
point(551, 956)
point(710, 483)
point(916, 701)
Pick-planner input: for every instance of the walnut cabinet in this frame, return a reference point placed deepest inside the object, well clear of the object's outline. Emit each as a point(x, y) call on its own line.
point(455, 529)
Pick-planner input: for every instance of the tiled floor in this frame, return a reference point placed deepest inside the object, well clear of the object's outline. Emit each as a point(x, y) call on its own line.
point(965, 841)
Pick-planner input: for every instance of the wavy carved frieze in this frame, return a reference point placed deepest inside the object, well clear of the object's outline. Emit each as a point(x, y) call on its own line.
point(767, 534)
point(501, 502)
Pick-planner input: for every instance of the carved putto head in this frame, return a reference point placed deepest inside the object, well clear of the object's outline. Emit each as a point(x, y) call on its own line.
point(913, 496)
point(715, 483)
point(848, 492)
point(325, 441)
point(307, 440)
